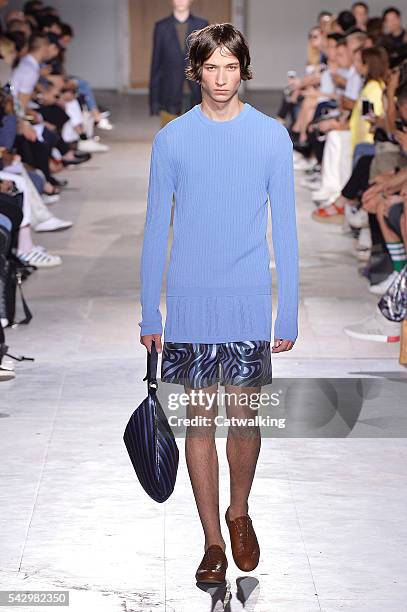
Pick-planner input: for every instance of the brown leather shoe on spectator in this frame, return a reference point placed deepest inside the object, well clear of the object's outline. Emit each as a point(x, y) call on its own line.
point(212, 568)
point(245, 547)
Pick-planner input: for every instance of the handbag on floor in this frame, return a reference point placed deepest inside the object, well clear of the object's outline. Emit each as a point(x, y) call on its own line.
point(393, 304)
point(17, 271)
point(150, 441)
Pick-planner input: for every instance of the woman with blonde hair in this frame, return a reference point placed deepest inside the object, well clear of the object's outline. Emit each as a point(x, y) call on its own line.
point(8, 54)
point(314, 49)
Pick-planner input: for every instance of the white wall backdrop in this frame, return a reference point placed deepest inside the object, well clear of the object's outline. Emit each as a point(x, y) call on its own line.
point(276, 31)
point(96, 52)
point(277, 34)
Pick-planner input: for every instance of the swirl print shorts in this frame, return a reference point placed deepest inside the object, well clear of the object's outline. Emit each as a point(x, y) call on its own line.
point(198, 365)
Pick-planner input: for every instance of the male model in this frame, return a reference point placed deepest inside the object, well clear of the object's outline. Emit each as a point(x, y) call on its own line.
point(171, 93)
point(221, 160)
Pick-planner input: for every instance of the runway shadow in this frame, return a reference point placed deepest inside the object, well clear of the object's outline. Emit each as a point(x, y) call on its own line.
point(247, 593)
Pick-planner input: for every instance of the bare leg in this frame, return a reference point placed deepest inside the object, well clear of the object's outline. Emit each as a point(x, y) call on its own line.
point(388, 233)
point(304, 118)
point(203, 468)
point(403, 227)
point(242, 448)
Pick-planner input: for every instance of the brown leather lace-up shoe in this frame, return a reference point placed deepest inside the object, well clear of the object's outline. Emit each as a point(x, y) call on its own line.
point(245, 547)
point(213, 566)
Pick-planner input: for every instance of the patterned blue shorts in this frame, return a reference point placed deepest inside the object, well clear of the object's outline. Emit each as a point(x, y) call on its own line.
point(198, 365)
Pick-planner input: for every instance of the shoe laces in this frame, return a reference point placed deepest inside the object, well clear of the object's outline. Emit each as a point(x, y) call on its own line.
point(213, 557)
point(242, 524)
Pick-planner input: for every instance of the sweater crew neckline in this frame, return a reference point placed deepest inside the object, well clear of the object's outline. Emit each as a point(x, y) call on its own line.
point(245, 110)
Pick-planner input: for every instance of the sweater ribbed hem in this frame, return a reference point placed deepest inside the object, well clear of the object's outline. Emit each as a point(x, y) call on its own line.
point(264, 289)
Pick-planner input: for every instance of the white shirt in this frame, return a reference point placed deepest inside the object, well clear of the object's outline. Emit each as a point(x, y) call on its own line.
point(354, 84)
point(25, 76)
point(327, 85)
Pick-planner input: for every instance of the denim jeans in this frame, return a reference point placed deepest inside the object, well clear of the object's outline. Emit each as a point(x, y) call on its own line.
point(362, 149)
point(85, 89)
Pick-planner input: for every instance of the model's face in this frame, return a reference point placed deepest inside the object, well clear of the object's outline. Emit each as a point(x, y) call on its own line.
point(343, 57)
point(221, 75)
point(361, 15)
point(181, 5)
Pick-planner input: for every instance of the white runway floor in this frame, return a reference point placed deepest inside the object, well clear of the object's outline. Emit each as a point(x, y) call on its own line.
point(329, 512)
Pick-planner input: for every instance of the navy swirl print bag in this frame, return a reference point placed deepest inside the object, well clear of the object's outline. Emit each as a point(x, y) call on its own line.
point(150, 441)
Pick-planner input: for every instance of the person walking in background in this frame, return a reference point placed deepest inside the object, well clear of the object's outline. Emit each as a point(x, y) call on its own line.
point(222, 161)
point(171, 94)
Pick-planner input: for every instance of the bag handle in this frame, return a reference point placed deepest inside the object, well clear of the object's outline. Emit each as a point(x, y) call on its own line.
point(150, 377)
point(27, 311)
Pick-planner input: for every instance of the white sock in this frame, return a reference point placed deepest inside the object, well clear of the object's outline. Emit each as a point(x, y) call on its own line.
point(25, 242)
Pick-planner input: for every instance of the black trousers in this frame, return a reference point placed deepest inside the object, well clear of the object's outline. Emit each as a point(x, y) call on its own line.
point(359, 180)
point(35, 154)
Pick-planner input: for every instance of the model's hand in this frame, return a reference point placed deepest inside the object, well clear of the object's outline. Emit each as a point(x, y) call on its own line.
point(282, 345)
point(148, 340)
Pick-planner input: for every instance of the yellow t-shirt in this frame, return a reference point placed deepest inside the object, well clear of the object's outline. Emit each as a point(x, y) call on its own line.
point(359, 128)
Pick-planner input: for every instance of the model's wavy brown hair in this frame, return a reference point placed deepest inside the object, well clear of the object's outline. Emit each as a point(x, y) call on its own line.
point(202, 43)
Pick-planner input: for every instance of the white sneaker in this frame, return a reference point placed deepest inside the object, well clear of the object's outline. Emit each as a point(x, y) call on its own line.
point(321, 195)
point(53, 225)
point(92, 146)
point(303, 164)
point(346, 229)
point(297, 156)
point(376, 328)
point(363, 255)
point(357, 217)
point(381, 288)
point(7, 370)
point(364, 239)
point(104, 124)
point(312, 183)
point(50, 199)
point(40, 258)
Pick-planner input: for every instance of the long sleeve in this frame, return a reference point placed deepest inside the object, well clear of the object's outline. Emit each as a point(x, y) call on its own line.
point(156, 230)
point(155, 72)
point(284, 234)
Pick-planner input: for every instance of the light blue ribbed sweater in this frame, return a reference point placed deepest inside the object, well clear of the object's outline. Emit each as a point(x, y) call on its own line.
point(218, 286)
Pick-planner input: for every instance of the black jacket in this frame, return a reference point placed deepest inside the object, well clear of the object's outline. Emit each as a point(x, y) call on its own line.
point(168, 66)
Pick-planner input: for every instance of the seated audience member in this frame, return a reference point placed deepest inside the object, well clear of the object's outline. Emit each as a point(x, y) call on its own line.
point(349, 138)
point(360, 11)
point(348, 124)
point(394, 35)
point(346, 22)
point(8, 55)
point(37, 101)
